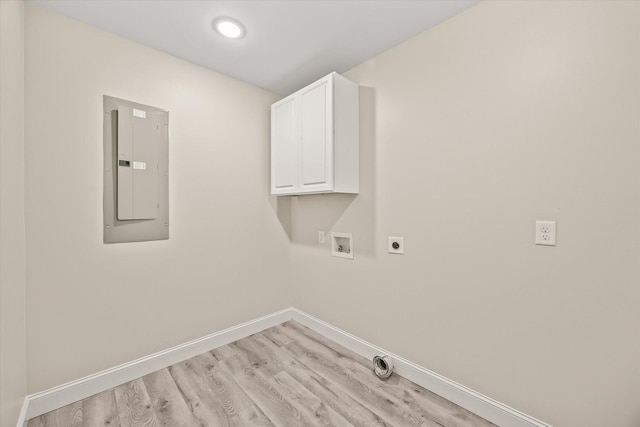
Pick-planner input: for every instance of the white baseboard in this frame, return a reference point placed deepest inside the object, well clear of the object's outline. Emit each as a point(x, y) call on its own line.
point(487, 408)
point(22, 418)
point(57, 397)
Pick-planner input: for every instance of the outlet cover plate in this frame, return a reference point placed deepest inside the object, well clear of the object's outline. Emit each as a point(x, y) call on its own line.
point(546, 233)
point(398, 248)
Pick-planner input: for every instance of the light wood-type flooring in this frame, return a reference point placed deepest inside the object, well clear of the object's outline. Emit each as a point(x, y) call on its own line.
point(286, 376)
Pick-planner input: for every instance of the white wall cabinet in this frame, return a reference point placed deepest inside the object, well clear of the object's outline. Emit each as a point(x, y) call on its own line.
point(315, 139)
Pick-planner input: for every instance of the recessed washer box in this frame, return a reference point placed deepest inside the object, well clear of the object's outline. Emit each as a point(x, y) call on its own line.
point(342, 245)
point(136, 172)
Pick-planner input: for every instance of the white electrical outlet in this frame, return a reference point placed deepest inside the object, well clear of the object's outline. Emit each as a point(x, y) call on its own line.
point(546, 233)
point(321, 237)
point(396, 245)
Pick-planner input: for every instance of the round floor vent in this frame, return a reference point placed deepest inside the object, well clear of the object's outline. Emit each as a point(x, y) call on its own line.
point(382, 366)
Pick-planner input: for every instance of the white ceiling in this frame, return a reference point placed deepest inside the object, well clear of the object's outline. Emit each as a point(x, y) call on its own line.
point(288, 43)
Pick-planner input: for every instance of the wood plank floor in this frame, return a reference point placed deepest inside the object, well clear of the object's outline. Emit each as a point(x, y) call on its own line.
point(286, 376)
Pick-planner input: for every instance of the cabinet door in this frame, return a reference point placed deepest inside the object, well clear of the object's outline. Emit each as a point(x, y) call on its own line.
point(316, 137)
point(284, 146)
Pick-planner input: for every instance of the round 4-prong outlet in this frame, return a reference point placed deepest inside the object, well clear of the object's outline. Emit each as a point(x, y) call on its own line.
point(396, 245)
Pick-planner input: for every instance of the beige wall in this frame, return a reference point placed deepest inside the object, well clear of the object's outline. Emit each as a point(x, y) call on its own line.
point(13, 374)
point(508, 113)
point(92, 306)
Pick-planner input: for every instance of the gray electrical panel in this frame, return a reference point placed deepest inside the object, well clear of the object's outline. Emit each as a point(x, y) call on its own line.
point(136, 172)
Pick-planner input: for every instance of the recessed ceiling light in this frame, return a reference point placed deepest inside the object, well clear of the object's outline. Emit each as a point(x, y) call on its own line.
point(229, 28)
